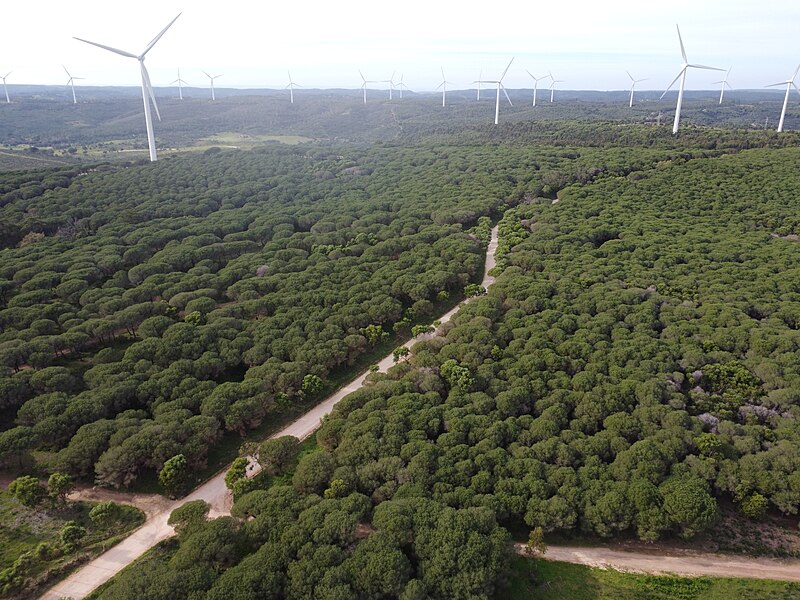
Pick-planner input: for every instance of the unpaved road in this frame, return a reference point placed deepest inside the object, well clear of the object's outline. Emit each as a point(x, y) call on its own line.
point(677, 562)
point(155, 529)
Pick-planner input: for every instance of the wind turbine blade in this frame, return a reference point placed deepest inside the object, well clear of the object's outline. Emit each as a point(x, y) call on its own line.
point(777, 84)
point(440, 85)
point(673, 83)
point(158, 37)
point(705, 67)
point(206, 74)
point(109, 48)
point(67, 72)
point(149, 86)
point(443, 77)
point(795, 87)
point(680, 39)
point(507, 68)
point(362, 77)
point(630, 76)
point(505, 92)
point(795, 72)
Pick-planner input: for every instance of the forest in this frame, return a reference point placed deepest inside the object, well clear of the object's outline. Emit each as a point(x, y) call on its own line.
point(636, 363)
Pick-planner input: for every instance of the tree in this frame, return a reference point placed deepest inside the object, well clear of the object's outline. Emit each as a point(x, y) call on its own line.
point(71, 533)
point(754, 506)
point(237, 471)
point(312, 386)
point(104, 514)
point(175, 475)
point(688, 504)
point(189, 517)
point(421, 330)
point(374, 334)
point(313, 473)
point(473, 289)
point(400, 352)
point(27, 490)
point(58, 486)
point(278, 455)
point(536, 545)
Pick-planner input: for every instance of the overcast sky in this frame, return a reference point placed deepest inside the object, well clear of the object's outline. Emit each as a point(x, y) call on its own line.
point(589, 45)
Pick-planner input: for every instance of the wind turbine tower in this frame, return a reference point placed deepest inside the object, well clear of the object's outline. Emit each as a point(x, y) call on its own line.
point(789, 83)
point(553, 83)
point(401, 86)
point(443, 85)
point(364, 85)
point(633, 85)
point(724, 82)
point(5, 88)
point(390, 81)
point(211, 79)
point(685, 66)
point(499, 84)
point(536, 81)
point(71, 83)
point(291, 87)
point(147, 87)
point(480, 76)
point(180, 83)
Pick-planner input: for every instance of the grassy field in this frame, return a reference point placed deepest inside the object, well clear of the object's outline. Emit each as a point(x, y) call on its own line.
point(24, 532)
point(547, 580)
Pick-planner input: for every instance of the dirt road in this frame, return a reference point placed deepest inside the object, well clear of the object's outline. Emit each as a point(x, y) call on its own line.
point(214, 491)
point(676, 562)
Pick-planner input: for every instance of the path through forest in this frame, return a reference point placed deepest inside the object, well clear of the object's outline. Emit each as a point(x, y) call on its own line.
point(677, 562)
point(155, 529)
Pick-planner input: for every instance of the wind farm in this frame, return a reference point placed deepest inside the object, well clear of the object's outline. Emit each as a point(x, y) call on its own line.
point(370, 340)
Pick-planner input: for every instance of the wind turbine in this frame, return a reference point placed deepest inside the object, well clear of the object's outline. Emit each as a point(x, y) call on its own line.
point(180, 83)
point(789, 83)
point(291, 87)
point(535, 83)
point(390, 81)
point(724, 82)
point(480, 76)
point(633, 85)
point(364, 85)
point(213, 97)
point(499, 84)
point(553, 83)
point(5, 88)
point(147, 87)
point(401, 86)
point(682, 76)
point(71, 83)
point(443, 85)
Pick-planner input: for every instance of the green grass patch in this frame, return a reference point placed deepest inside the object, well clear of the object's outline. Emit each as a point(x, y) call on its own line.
point(548, 580)
point(24, 573)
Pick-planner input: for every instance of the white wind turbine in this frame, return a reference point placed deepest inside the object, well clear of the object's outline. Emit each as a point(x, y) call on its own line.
point(553, 82)
point(180, 83)
point(724, 82)
point(536, 81)
point(71, 83)
point(147, 87)
point(633, 85)
point(291, 87)
point(5, 88)
point(443, 85)
point(211, 79)
point(685, 66)
point(499, 84)
point(390, 81)
point(402, 86)
point(364, 85)
point(480, 76)
point(789, 83)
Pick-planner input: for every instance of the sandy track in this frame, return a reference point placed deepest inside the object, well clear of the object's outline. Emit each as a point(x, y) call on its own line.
point(686, 563)
point(155, 529)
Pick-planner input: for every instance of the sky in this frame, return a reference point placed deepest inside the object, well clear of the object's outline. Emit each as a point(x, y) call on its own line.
point(588, 45)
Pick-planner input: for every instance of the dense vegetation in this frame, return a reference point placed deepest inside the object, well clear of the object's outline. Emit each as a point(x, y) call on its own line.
point(636, 362)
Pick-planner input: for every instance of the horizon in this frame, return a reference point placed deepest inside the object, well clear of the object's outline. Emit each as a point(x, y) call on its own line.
point(327, 52)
